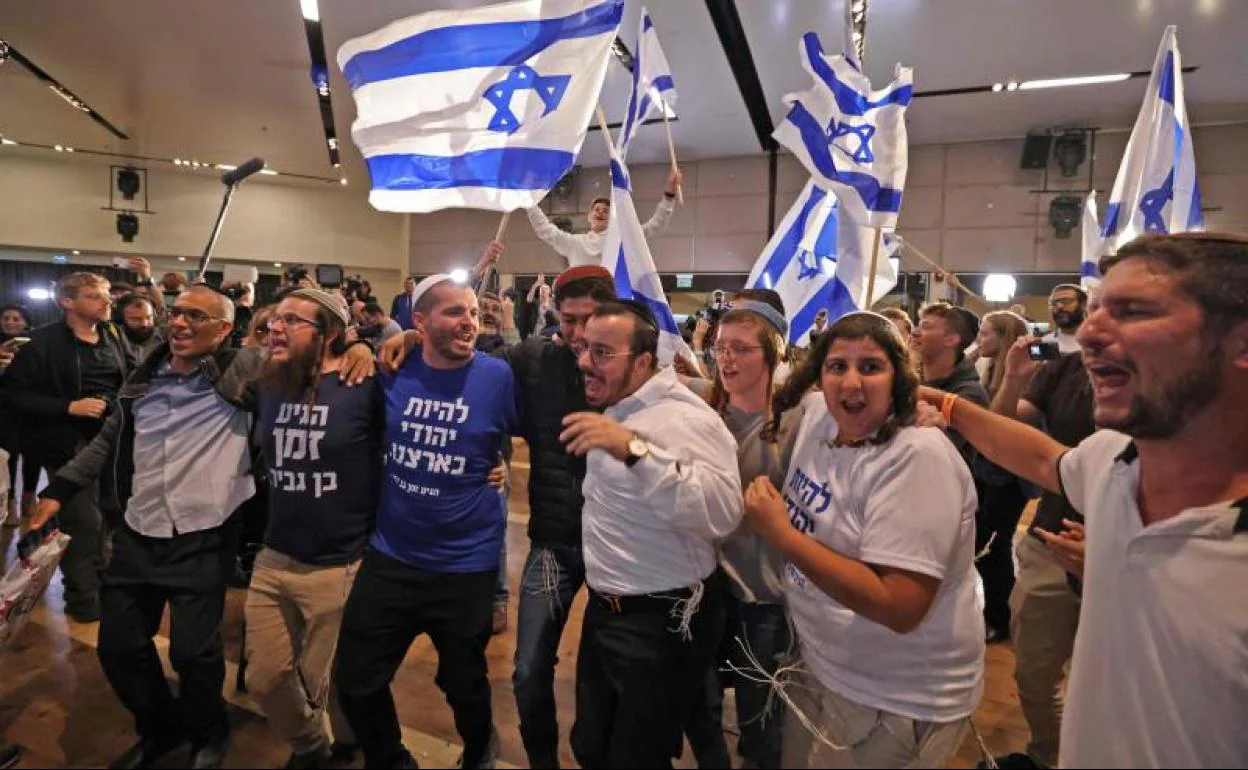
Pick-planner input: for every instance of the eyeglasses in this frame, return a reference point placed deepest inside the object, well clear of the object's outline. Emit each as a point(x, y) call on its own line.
point(290, 319)
point(599, 354)
point(733, 351)
point(191, 315)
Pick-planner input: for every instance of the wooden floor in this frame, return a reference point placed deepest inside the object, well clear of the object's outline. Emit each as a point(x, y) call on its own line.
point(55, 702)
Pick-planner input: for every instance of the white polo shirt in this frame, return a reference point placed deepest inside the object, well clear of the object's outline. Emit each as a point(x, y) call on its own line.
point(908, 504)
point(653, 527)
point(1160, 670)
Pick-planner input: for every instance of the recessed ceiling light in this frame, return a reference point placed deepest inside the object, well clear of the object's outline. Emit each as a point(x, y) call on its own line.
point(225, 167)
point(268, 172)
point(181, 259)
point(997, 87)
point(1088, 80)
point(69, 149)
point(277, 264)
point(59, 148)
point(343, 181)
point(1012, 85)
point(76, 252)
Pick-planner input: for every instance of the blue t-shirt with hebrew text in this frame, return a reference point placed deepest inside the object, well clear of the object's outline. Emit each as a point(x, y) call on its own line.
point(444, 431)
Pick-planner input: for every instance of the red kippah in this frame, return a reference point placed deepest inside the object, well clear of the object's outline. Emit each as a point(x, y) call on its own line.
point(582, 271)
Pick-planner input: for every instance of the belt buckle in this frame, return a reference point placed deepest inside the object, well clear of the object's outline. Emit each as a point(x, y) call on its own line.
point(613, 603)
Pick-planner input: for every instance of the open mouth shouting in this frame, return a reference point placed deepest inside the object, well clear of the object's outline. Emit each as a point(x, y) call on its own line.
point(1109, 378)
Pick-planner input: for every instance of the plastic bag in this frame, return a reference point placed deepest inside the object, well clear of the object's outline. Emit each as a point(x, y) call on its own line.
point(25, 583)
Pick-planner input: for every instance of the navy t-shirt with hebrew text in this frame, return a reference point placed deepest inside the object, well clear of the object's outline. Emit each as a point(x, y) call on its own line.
point(444, 431)
point(324, 464)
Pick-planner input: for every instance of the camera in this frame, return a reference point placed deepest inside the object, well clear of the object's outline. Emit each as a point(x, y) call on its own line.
point(1043, 350)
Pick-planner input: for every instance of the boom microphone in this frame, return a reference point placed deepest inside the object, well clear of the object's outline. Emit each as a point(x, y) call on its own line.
point(233, 177)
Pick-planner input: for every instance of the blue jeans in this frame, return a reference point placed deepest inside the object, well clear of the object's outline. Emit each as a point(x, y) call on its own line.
point(552, 576)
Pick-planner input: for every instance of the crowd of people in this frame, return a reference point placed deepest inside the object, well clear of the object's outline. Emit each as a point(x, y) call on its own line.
point(829, 532)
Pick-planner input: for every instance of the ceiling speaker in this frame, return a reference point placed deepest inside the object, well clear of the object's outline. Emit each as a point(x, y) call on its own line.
point(1036, 148)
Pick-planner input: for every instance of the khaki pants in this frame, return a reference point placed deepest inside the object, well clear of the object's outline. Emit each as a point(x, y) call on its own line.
point(293, 613)
point(869, 737)
point(1044, 617)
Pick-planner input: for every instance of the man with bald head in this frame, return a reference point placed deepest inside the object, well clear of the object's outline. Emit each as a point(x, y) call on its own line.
point(433, 559)
point(173, 462)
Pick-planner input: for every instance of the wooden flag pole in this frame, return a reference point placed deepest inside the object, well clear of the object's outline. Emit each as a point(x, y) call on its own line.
point(875, 259)
point(671, 150)
point(502, 226)
point(950, 277)
point(606, 132)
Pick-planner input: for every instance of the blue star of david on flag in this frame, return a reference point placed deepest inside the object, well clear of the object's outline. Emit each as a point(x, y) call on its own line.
point(807, 266)
point(1153, 203)
point(549, 88)
point(863, 133)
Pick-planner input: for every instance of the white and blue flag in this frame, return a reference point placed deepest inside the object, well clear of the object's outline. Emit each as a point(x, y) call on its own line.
point(852, 139)
point(481, 108)
point(626, 254)
point(1093, 245)
point(652, 82)
point(1156, 190)
point(819, 259)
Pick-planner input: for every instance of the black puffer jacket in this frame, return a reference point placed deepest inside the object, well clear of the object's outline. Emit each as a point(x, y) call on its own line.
point(551, 388)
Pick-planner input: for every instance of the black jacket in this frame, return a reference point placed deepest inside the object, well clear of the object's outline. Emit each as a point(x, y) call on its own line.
point(110, 455)
point(42, 381)
point(963, 382)
point(551, 388)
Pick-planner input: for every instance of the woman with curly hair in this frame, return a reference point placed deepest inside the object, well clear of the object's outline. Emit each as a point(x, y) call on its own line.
point(877, 523)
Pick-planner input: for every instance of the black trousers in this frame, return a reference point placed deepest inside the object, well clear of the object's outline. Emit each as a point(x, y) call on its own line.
point(638, 679)
point(188, 573)
point(1000, 508)
point(80, 518)
point(391, 603)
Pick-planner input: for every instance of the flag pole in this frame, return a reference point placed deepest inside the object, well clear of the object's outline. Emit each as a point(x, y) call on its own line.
point(875, 259)
point(671, 150)
point(950, 277)
point(606, 132)
point(502, 226)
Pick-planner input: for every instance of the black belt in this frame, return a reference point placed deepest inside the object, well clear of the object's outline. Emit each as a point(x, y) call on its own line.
point(656, 602)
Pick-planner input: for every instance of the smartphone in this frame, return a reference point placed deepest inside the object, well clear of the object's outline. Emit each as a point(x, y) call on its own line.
point(121, 262)
point(1043, 350)
point(16, 343)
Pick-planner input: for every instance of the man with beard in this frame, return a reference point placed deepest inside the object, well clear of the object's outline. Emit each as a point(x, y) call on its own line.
point(657, 499)
point(1068, 304)
point(1044, 607)
point(322, 445)
point(1157, 678)
point(138, 318)
point(551, 387)
point(433, 560)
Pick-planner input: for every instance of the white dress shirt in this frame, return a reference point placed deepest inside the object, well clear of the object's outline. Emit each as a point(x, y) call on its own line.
point(586, 248)
point(653, 527)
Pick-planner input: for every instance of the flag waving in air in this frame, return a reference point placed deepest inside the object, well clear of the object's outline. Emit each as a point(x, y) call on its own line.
point(652, 82)
point(1093, 243)
point(1156, 190)
point(820, 259)
point(626, 254)
point(481, 108)
point(852, 139)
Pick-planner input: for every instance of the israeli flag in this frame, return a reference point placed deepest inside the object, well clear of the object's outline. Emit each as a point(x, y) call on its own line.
point(481, 108)
point(652, 82)
point(626, 254)
point(1093, 245)
point(819, 259)
point(1156, 190)
point(852, 139)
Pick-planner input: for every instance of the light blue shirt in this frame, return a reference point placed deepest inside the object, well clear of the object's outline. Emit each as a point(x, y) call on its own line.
point(192, 466)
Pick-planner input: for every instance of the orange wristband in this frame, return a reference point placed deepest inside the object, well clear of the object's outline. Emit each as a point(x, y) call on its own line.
point(946, 407)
